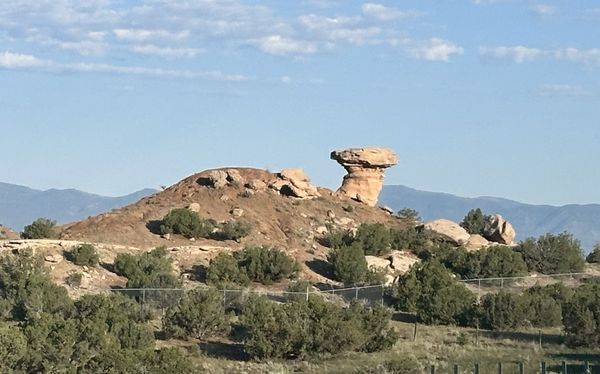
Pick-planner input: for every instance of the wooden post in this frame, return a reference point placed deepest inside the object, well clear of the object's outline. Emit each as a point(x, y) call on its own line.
point(564, 367)
point(476, 369)
point(540, 340)
point(415, 332)
point(455, 369)
point(432, 369)
point(543, 368)
point(306, 293)
point(521, 368)
point(587, 367)
point(500, 371)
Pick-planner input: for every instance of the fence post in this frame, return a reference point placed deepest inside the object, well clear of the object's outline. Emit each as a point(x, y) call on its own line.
point(478, 290)
point(455, 369)
point(306, 293)
point(432, 369)
point(564, 367)
point(540, 340)
point(356, 293)
point(521, 368)
point(224, 298)
point(382, 295)
point(500, 371)
point(587, 367)
point(415, 332)
point(476, 369)
point(144, 296)
point(543, 367)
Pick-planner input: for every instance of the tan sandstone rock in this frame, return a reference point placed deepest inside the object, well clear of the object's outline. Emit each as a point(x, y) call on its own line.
point(366, 169)
point(295, 183)
point(402, 261)
point(499, 230)
point(476, 242)
point(448, 230)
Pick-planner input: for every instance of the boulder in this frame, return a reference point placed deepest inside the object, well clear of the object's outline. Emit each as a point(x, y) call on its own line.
point(366, 170)
point(194, 207)
point(295, 183)
point(237, 212)
point(499, 230)
point(378, 262)
point(221, 178)
point(448, 230)
point(256, 185)
point(321, 230)
point(402, 261)
point(54, 259)
point(216, 178)
point(476, 242)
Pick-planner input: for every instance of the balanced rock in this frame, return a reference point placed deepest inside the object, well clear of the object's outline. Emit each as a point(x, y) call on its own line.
point(448, 230)
point(366, 170)
point(499, 230)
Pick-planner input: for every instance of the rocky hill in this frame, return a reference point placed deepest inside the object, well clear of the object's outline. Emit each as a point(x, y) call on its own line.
point(583, 221)
point(19, 205)
point(278, 211)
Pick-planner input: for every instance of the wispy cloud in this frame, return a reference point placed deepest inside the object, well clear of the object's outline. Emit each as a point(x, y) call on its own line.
point(16, 61)
point(518, 54)
point(168, 52)
point(184, 29)
point(585, 56)
point(431, 50)
point(563, 90)
point(544, 9)
point(384, 13)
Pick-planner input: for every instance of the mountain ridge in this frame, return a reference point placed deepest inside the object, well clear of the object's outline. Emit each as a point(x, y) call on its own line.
point(20, 205)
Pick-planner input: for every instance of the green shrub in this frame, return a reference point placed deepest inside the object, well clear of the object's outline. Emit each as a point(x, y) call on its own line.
point(581, 317)
point(232, 230)
point(258, 264)
point(149, 270)
point(500, 261)
point(13, 347)
point(41, 228)
point(429, 291)
point(199, 314)
point(26, 290)
point(336, 238)
point(552, 254)
point(409, 215)
point(594, 256)
point(375, 239)
point(349, 264)
point(74, 279)
point(84, 255)
point(542, 306)
point(266, 264)
point(301, 328)
point(474, 222)
point(410, 238)
point(501, 311)
point(224, 269)
point(187, 223)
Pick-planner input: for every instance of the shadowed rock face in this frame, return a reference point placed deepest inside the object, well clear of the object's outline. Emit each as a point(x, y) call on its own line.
point(366, 170)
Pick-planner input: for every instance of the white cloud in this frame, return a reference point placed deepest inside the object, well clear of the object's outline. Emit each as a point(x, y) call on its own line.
point(518, 54)
point(286, 79)
point(278, 45)
point(151, 49)
point(563, 90)
point(434, 49)
point(9, 60)
point(544, 9)
point(383, 13)
point(143, 35)
point(15, 61)
point(585, 56)
point(340, 29)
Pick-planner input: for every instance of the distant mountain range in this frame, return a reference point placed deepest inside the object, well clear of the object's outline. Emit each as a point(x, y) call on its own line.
point(583, 221)
point(19, 205)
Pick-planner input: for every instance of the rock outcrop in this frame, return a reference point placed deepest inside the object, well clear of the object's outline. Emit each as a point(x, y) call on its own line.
point(499, 230)
point(366, 170)
point(295, 183)
point(448, 231)
point(476, 242)
point(221, 178)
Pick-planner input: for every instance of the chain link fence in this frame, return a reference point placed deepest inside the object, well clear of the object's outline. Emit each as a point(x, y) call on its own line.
point(163, 298)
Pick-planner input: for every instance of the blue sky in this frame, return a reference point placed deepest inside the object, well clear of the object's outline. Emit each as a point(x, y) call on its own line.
point(478, 97)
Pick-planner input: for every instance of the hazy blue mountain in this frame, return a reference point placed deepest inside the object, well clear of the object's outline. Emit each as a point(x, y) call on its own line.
point(19, 205)
point(583, 221)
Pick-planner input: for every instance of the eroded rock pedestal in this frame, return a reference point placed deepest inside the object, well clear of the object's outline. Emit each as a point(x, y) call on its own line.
point(366, 170)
